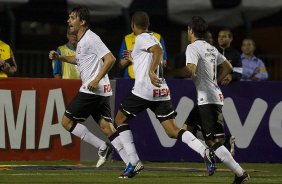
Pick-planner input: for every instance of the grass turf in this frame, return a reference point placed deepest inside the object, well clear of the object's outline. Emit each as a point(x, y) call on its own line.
point(157, 173)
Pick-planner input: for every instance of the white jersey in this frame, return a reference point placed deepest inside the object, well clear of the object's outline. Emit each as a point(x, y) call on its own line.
point(89, 53)
point(142, 60)
point(206, 57)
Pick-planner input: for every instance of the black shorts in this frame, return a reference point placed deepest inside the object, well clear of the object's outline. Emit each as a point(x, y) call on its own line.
point(194, 120)
point(83, 105)
point(133, 104)
point(208, 119)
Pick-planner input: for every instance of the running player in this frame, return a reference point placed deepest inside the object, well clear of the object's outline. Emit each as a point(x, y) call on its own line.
point(94, 60)
point(202, 60)
point(150, 91)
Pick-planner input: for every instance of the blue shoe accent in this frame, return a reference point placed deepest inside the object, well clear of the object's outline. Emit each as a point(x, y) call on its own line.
point(210, 161)
point(131, 171)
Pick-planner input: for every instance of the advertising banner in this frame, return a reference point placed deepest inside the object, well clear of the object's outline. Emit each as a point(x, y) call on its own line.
point(31, 109)
point(252, 113)
point(30, 112)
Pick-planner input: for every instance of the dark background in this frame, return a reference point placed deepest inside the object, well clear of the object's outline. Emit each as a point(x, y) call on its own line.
point(34, 28)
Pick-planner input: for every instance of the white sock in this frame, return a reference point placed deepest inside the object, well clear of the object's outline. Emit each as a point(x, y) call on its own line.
point(225, 156)
point(193, 142)
point(127, 140)
point(84, 134)
point(120, 149)
point(200, 137)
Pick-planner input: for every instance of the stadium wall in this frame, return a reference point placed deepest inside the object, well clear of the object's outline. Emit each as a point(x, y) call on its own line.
point(30, 110)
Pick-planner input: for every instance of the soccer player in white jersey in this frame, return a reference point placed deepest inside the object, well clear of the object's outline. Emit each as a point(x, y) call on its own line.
point(150, 91)
point(94, 60)
point(202, 60)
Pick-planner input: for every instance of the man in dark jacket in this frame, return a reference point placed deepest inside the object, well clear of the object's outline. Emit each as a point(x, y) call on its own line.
point(225, 38)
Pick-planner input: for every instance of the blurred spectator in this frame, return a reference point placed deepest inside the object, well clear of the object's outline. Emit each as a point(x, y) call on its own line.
point(225, 38)
point(62, 69)
point(127, 44)
point(8, 64)
point(180, 59)
point(253, 67)
point(209, 37)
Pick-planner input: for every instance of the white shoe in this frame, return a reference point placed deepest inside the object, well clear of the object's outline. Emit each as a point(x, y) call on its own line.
point(104, 155)
point(139, 167)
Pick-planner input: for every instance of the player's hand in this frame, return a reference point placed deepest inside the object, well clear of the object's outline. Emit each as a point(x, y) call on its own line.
point(6, 67)
point(53, 55)
point(226, 80)
point(93, 85)
point(127, 55)
point(154, 79)
point(1, 62)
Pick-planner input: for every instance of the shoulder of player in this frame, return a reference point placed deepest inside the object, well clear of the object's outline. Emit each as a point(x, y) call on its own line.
point(90, 36)
point(141, 36)
point(192, 46)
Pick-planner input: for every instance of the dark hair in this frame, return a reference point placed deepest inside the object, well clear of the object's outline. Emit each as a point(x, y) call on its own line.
point(251, 39)
point(141, 19)
point(230, 34)
point(199, 26)
point(83, 13)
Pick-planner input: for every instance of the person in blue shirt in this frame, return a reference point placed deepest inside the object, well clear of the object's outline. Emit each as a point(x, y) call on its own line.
point(253, 67)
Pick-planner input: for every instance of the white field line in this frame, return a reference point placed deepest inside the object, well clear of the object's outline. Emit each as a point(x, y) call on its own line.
point(45, 174)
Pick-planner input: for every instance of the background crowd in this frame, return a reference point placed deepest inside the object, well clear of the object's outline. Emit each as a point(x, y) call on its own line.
point(252, 45)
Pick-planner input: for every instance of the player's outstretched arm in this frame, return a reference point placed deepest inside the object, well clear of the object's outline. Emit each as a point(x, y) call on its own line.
point(68, 59)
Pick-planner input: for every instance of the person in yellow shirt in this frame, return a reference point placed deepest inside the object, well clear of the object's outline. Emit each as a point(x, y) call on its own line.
point(63, 70)
point(8, 66)
point(127, 45)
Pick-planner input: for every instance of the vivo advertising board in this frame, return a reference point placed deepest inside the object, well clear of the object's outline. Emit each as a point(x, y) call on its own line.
point(252, 113)
point(31, 109)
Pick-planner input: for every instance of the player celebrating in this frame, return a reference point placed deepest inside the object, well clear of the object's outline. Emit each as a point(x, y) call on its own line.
point(202, 60)
point(94, 60)
point(149, 91)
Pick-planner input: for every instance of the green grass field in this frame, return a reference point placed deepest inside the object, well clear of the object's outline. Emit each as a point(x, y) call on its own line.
point(157, 173)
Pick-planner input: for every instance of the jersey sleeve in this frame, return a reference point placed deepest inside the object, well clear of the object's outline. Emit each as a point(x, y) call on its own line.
point(57, 65)
point(262, 73)
point(122, 48)
point(164, 49)
point(144, 42)
point(220, 59)
point(192, 56)
point(100, 47)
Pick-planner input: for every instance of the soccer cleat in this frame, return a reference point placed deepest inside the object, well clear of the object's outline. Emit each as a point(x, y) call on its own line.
point(210, 161)
point(241, 179)
point(104, 155)
point(131, 170)
point(139, 167)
